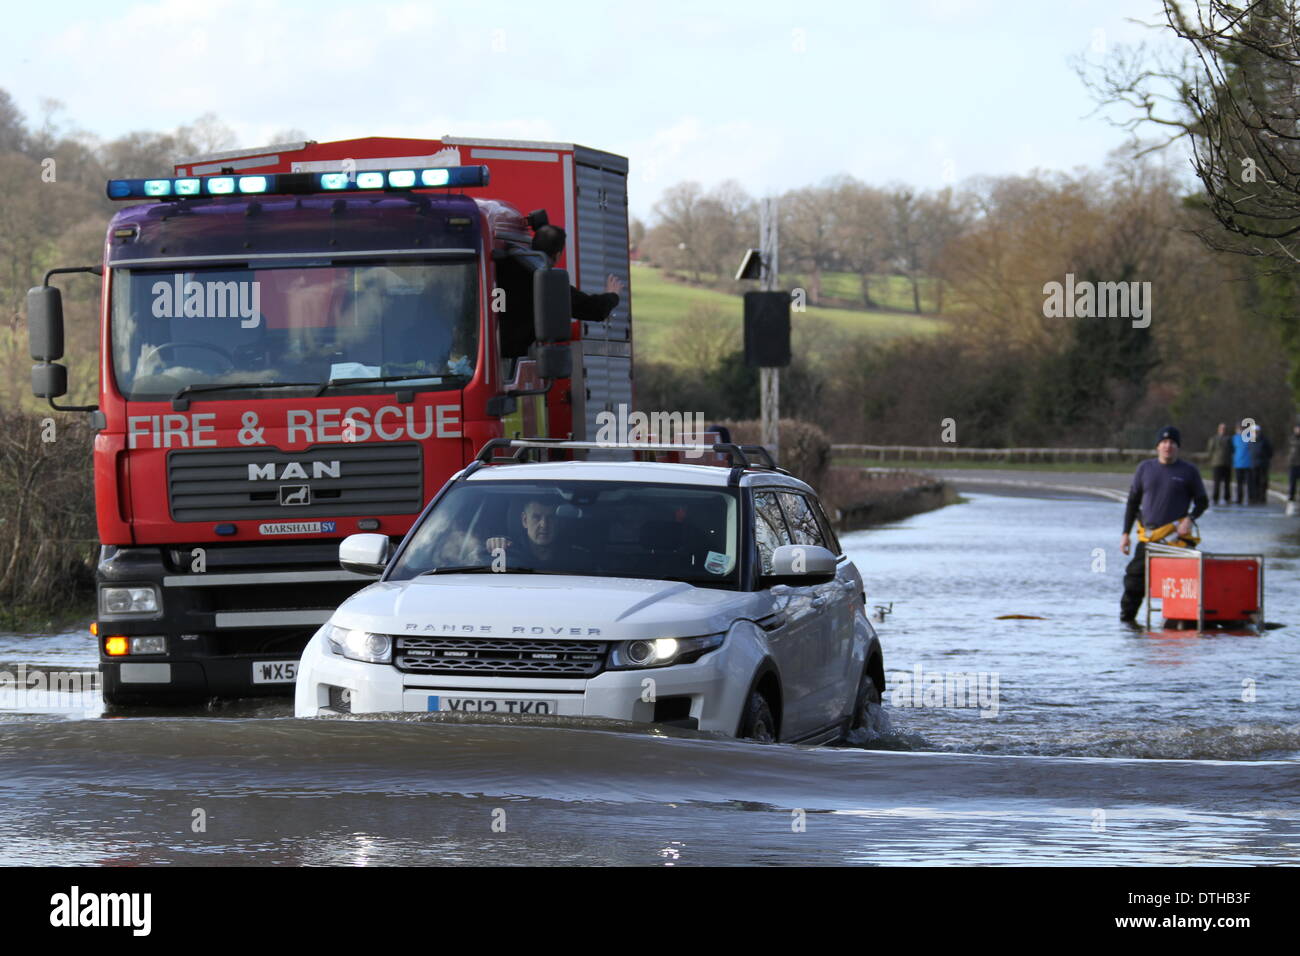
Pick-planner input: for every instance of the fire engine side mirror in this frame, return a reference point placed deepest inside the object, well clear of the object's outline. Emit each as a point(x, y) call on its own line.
point(554, 361)
point(364, 553)
point(45, 341)
point(552, 311)
point(45, 323)
point(49, 380)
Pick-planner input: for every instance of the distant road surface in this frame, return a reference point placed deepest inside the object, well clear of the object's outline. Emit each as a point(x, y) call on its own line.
point(1094, 484)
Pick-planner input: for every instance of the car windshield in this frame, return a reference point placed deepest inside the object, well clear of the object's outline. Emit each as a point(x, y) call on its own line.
point(187, 326)
point(616, 529)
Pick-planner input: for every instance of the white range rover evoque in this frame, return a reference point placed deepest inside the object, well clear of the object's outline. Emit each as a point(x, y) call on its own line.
point(697, 596)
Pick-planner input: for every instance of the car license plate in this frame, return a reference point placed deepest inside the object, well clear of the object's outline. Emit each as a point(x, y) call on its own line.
point(274, 672)
point(490, 705)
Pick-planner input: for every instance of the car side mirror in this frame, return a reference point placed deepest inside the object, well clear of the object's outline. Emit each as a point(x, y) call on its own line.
point(364, 553)
point(552, 307)
point(801, 564)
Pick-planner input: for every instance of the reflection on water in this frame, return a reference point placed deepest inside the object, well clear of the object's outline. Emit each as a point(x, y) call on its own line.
point(1108, 746)
point(364, 792)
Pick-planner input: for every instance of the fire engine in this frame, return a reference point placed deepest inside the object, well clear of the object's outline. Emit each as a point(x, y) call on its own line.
point(303, 342)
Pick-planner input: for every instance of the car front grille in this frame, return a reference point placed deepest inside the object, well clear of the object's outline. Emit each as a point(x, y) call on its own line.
point(490, 655)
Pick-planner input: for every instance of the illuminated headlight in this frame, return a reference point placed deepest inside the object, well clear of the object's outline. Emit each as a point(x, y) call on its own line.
point(661, 651)
point(140, 600)
point(360, 645)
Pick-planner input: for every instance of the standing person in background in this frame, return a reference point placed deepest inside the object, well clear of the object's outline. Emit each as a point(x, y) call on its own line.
point(1166, 497)
point(1261, 459)
point(1219, 452)
point(1241, 464)
point(1293, 461)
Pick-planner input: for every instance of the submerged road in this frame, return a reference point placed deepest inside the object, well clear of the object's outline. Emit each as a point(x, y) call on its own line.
point(1056, 737)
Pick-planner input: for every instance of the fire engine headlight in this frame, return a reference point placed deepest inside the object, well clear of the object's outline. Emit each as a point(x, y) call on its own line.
point(360, 645)
point(124, 601)
point(661, 651)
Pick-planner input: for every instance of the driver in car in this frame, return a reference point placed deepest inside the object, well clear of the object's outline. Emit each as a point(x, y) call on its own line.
point(542, 546)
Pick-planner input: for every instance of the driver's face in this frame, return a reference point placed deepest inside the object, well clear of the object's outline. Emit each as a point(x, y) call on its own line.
point(539, 522)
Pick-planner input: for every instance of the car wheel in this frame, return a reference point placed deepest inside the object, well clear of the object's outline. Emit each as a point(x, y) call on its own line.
point(757, 723)
point(868, 710)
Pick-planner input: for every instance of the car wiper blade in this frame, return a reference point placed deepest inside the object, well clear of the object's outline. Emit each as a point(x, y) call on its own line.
point(330, 383)
point(226, 386)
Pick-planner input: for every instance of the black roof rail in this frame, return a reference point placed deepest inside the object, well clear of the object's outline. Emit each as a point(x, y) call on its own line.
point(520, 448)
point(767, 456)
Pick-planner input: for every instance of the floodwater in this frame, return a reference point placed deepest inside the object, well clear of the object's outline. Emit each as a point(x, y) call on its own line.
point(1082, 741)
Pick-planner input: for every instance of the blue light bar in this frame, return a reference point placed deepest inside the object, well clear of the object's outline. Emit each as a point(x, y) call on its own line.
point(300, 184)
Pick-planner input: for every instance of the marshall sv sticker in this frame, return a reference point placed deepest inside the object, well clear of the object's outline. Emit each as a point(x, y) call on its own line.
point(297, 527)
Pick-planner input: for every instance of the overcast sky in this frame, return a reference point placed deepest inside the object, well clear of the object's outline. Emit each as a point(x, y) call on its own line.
point(771, 94)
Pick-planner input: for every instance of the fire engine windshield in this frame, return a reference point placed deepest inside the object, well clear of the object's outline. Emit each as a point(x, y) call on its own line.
point(614, 529)
point(177, 327)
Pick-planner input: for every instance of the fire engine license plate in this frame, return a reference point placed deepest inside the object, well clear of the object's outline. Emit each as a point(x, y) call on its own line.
point(274, 672)
point(491, 705)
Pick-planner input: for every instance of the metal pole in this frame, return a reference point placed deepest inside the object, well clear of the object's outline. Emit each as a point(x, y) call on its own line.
point(769, 378)
point(1146, 583)
point(1200, 592)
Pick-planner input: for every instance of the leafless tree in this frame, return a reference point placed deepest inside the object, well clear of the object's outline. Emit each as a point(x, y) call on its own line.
point(862, 232)
point(808, 234)
point(1234, 97)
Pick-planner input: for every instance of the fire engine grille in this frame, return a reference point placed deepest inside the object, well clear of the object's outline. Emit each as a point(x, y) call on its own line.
point(231, 484)
point(458, 655)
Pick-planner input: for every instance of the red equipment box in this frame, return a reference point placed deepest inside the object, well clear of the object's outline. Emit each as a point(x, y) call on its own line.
point(1200, 587)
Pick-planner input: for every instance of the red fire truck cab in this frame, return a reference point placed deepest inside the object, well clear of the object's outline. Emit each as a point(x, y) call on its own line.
point(306, 341)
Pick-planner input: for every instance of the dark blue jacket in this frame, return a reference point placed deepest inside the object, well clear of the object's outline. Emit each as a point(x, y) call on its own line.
point(1261, 452)
point(1165, 493)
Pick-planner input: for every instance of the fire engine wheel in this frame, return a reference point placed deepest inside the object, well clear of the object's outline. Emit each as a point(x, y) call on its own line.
point(758, 724)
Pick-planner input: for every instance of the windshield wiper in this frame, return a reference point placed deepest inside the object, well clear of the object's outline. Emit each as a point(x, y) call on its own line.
point(225, 386)
point(330, 383)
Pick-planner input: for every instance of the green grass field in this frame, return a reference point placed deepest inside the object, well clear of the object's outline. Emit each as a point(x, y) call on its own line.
point(890, 293)
point(659, 304)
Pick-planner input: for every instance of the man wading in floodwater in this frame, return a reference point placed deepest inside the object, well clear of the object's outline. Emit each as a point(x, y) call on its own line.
point(1170, 495)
